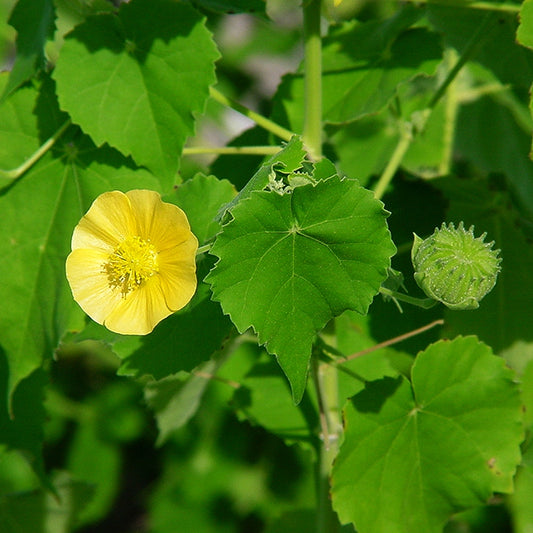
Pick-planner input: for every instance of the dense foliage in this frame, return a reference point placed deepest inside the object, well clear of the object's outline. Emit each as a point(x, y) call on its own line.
point(340, 365)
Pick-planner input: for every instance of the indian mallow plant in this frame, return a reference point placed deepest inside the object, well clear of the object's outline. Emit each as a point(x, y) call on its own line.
point(294, 244)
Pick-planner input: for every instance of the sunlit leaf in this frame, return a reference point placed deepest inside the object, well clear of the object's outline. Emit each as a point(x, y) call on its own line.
point(135, 79)
point(39, 213)
point(201, 198)
point(289, 263)
point(422, 451)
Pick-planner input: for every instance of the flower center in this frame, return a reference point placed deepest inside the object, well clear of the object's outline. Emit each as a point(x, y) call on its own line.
point(131, 264)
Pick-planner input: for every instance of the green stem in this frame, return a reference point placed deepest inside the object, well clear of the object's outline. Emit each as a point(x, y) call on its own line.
point(473, 45)
point(487, 6)
point(424, 303)
point(17, 172)
point(406, 137)
point(204, 248)
point(231, 150)
point(312, 133)
point(326, 386)
point(260, 120)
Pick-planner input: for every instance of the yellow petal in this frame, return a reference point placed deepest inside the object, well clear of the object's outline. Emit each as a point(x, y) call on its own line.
point(177, 270)
point(140, 311)
point(164, 224)
point(107, 223)
point(89, 283)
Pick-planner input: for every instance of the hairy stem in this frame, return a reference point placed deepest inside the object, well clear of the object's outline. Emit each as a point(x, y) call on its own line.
point(424, 303)
point(260, 120)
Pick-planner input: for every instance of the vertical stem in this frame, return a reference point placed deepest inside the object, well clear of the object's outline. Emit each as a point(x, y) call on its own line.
point(325, 380)
point(312, 134)
point(324, 376)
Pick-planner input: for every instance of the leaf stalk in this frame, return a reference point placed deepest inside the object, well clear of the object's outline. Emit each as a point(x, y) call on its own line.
point(260, 120)
point(15, 173)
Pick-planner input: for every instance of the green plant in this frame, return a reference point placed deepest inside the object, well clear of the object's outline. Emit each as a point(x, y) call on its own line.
point(305, 386)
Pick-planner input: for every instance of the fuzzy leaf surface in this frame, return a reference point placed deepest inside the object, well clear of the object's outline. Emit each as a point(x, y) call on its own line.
point(135, 79)
point(424, 450)
point(289, 263)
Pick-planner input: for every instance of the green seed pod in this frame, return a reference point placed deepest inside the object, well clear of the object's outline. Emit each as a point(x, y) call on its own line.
point(454, 267)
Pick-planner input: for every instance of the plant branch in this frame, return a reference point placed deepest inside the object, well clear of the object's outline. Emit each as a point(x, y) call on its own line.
point(312, 132)
point(486, 6)
point(325, 382)
point(260, 120)
point(231, 150)
point(424, 303)
point(47, 145)
point(389, 342)
point(408, 130)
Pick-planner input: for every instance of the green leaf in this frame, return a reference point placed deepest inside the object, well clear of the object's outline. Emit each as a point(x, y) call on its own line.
point(21, 422)
point(503, 316)
point(28, 512)
point(289, 263)
point(179, 342)
point(39, 213)
point(499, 52)
point(97, 462)
point(265, 399)
point(34, 22)
point(520, 501)
point(175, 399)
point(287, 160)
point(422, 451)
point(201, 198)
point(363, 64)
point(135, 79)
point(232, 6)
point(492, 139)
point(524, 33)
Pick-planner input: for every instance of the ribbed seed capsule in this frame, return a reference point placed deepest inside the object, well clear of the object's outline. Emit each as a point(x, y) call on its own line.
point(454, 267)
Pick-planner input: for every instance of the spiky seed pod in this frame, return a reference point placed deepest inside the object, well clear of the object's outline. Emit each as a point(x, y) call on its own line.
point(454, 267)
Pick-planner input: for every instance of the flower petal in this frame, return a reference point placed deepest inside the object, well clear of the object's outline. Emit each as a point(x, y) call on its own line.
point(164, 224)
point(89, 283)
point(107, 223)
point(177, 270)
point(140, 311)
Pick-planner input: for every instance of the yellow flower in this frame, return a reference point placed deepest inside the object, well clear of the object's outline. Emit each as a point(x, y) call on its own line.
point(133, 261)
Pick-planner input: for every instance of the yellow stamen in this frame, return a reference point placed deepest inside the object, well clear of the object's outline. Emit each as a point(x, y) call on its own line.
point(131, 264)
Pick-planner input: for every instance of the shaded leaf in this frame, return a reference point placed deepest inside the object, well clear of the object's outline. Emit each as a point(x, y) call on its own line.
point(135, 79)
point(503, 315)
point(180, 341)
point(273, 260)
point(21, 423)
point(39, 213)
point(265, 399)
point(175, 399)
point(28, 512)
point(363, 64)
point(34, 22)
point(441, 444)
